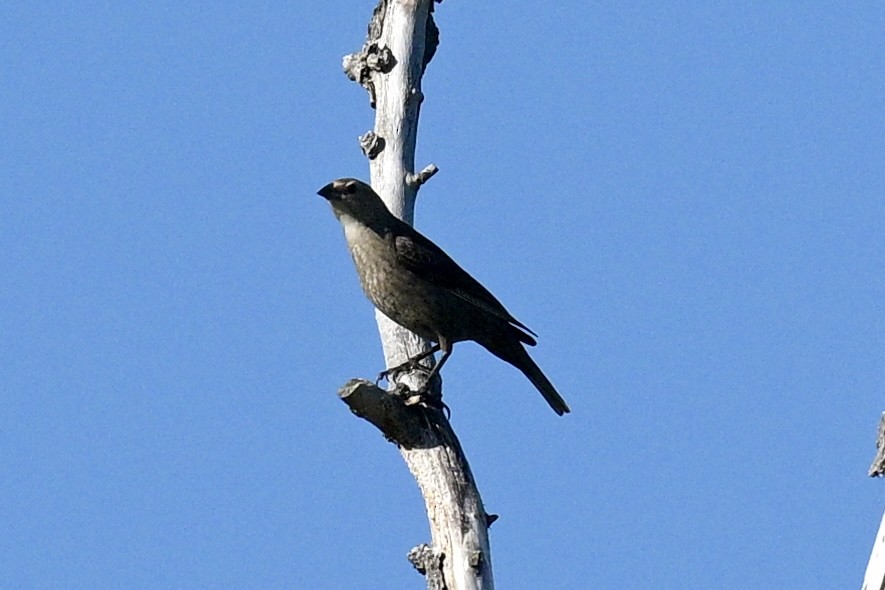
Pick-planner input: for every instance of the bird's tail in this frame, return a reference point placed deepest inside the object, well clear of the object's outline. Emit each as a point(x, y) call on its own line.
point(517, 356)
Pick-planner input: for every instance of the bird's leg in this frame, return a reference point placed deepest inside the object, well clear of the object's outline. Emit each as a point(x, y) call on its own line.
point(410, 364)
point(430, 393)
point(447, 349)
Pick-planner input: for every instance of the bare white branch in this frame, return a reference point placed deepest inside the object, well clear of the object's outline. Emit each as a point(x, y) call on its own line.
point(426, 174)
point(402, 39)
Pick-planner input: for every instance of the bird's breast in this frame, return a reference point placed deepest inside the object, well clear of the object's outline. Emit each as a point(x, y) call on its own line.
point(374, 259)
point(398, 293)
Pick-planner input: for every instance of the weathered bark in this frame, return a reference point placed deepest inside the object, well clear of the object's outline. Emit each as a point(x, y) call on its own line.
point(402, 39)
point(877, 469)
point(874, 577)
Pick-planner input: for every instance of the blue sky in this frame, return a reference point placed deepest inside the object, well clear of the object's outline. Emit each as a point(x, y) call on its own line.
point(685, 202)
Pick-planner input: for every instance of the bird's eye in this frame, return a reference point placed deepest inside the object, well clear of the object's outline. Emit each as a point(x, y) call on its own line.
point(349, 188)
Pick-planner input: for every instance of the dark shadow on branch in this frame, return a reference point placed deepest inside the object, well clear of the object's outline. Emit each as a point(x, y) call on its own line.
point(411, 426)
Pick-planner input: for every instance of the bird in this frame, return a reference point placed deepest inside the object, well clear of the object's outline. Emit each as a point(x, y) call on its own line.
point(416, 284)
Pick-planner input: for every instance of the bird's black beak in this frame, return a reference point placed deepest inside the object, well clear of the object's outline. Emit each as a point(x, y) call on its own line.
point(328, 192)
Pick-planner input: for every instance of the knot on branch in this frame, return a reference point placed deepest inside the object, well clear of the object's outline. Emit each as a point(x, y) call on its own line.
point(371, 144)
point(372, 58)
point(429, 563)
point(380, 59)
point(475, 559)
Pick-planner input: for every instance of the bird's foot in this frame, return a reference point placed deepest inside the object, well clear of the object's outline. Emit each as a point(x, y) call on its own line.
point(426, 395)
point(393, 373)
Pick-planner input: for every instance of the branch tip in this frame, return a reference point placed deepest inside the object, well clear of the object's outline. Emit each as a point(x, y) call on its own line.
point(388, 411)
point(419, 179)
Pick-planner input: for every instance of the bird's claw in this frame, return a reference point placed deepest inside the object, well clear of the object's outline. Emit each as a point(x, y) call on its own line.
point(425, 396)
point(391, 374)
point(428, 395)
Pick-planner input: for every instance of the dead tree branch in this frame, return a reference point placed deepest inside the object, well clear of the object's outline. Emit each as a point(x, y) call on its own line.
point(402, 39)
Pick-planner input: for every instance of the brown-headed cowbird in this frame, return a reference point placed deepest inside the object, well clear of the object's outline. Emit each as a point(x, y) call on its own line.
point(417, 285)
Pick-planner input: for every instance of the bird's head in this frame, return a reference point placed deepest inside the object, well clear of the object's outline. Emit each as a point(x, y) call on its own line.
point(352, 198)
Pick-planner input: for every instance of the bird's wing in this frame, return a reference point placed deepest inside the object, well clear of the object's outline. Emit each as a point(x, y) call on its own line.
point(427, 261)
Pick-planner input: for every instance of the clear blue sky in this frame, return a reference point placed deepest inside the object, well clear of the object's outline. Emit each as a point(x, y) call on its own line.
point(686, 202)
